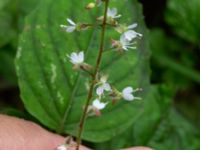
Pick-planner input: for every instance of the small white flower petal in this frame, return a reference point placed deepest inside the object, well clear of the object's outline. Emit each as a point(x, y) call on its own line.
point(132, 26)
point(131, 34)
point(127, 93)
point(107, 87)
point(77, 58)
point(71, 22)
point(81, 56)
point(61, 147)
point(98, 105)
point(117, 16)
point(125, 48)
point(127, 90)
point(70, 28)
point(123, 39)
point(74, 58)
point(112, 13)
point(63, 26)
point(128, 97)
point(100, 90)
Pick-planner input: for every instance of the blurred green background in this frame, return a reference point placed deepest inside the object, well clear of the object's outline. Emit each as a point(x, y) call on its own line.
point(174, 36)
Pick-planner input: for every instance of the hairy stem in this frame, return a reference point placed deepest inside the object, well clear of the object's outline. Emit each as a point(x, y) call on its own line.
point(98, 62)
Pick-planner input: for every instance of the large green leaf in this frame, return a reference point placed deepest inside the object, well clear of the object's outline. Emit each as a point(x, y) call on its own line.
point(160, 126)
point(7, 58)
point(174, 58)
point(183, 16)
point(155, 108)
point(53, 92)
point(7, 32)
point(175, 132)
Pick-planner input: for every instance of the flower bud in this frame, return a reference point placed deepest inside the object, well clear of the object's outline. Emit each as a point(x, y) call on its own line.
point(90, 6)
point(116, 44)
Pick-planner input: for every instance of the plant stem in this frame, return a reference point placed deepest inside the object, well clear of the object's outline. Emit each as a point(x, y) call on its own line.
point(98, 62)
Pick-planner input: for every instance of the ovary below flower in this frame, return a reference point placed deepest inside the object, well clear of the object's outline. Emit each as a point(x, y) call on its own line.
point(103, 86)
point(127, 94)
point(69, 28)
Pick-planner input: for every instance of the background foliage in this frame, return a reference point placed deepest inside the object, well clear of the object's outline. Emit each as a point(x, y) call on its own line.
point(169, 118)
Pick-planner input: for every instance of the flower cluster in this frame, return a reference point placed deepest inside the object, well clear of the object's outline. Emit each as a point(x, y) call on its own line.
point(125, 42)
point(100, 90)
point(102, 86)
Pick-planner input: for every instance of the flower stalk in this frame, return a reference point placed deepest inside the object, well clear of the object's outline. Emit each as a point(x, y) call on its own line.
point(96, 70)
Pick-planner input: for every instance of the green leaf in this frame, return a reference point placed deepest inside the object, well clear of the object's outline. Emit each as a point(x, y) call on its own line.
point(175, 132)
point(3, 3)
point(156, 103)
point(183, 15)
point(53, 92)
point(7, 32)
point(174, 58)
point(8, 72)
point(160, 126)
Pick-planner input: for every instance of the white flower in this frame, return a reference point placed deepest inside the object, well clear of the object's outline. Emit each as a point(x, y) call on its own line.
point(61, 147)
point(126, 44)
point(69, 28)
point(77, 58)
point(98, 105)
point(112, 13)
point(132, 26)
point(103, 85)
point(127, 31)
point(127, 93)
point(130, 35)
point(126, 38)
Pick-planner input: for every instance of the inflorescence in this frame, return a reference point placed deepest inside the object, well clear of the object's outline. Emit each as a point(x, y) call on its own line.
point(104, 91)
